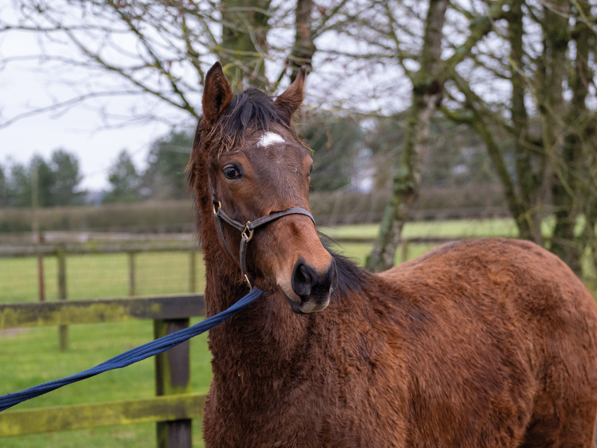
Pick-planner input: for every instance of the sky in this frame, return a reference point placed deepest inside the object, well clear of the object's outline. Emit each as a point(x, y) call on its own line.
point(23, 86)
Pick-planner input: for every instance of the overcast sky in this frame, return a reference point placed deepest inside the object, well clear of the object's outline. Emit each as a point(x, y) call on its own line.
point(23, 86)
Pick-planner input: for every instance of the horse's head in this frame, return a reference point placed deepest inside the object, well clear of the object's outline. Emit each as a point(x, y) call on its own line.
point(249, 162)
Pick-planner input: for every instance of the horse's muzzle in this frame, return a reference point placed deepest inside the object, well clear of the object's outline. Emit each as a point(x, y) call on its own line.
point(313, 288)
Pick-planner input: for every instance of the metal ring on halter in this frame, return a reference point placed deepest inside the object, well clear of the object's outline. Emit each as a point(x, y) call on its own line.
point(247, 232)
point(213, 206)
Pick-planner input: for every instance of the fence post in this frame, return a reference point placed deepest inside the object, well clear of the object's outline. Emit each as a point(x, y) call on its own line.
point(40, 270)
point(131, 273)
point(404, 250)
point(172, 376)
point(192, 271)
point(62, 329)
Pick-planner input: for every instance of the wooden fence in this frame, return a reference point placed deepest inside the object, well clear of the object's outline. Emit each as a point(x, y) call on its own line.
point(131, 248)
point(173, 407)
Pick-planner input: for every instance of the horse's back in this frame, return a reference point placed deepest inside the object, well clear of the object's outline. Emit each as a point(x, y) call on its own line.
point(509, 323)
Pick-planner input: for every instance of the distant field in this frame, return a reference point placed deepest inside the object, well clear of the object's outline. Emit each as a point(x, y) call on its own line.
point(425, 229)
point(103, 275)
point(29, 357)
point(438, 229)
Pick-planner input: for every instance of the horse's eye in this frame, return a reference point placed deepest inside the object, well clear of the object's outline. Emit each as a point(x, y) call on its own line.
point(232, 172)
point(310, 170)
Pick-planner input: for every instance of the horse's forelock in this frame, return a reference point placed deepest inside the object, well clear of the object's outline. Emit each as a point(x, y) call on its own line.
point(252, 110)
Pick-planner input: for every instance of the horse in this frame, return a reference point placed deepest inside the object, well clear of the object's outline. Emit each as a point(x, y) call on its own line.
point(478, 343)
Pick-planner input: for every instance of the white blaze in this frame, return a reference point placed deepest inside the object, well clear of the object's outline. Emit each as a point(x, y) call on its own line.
point(269, 138)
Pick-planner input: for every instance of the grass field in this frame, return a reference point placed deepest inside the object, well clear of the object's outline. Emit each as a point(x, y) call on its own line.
point(438, 229)
point(94, 276)
point(29, 357)
point(426, 229)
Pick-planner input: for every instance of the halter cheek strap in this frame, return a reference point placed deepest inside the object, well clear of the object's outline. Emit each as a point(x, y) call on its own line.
point(247, 230)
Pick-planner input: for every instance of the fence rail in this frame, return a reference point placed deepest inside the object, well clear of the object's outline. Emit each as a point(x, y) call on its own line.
point(39, 314)
point(115, 247)
point(172, 409)
point(167, 408)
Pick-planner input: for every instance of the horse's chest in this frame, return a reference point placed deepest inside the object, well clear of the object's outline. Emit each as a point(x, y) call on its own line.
point(318, 414)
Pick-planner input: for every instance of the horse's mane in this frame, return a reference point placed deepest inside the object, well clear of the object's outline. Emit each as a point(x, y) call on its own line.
point(350, 276)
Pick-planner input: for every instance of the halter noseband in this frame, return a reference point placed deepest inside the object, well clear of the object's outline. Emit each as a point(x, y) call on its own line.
point(247, 230)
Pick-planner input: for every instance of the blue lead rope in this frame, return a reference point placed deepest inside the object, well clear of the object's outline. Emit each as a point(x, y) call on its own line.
point(134, 355)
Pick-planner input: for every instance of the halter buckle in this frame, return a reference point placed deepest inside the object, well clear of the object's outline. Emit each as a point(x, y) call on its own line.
point(247, 233)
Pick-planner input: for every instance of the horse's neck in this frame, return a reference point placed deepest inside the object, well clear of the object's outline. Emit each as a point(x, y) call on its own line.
point(266, 327)
point(268, 322)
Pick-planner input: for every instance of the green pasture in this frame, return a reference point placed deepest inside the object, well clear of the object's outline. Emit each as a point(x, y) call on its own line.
point(434, 229)
point(425, 229)
point(31, 356)
point(99, 276)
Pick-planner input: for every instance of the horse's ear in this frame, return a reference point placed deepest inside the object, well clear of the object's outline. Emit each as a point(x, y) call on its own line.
point(217, 94)
point(292, 98)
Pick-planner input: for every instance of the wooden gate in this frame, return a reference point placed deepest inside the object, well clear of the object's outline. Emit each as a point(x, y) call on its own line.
point(173, 407)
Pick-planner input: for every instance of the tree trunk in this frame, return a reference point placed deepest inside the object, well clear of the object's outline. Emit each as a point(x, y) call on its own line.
point(575, 175)
point(559, 147)
point(518, 211)
point(427, 91)
point(244, 42)
point(586, 43)
point(529, 180)
point(478, 122)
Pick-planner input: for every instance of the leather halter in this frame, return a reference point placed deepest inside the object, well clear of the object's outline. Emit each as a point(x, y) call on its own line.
point(247, 230)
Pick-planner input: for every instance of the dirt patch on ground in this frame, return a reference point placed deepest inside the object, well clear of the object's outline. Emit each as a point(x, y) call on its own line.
point(11, 332)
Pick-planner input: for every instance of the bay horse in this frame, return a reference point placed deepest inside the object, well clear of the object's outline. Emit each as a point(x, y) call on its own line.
point(479, 343)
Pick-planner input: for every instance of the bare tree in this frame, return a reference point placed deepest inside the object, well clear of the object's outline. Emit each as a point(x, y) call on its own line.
point(244, 41)
point(160, 50)
point(545, 57)
point(427, 87)
point(425, 99)
point(520, 68)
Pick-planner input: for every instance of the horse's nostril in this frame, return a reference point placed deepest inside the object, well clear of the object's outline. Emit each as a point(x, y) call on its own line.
point(302, 279)
point(305, 274)
point(313, 288)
